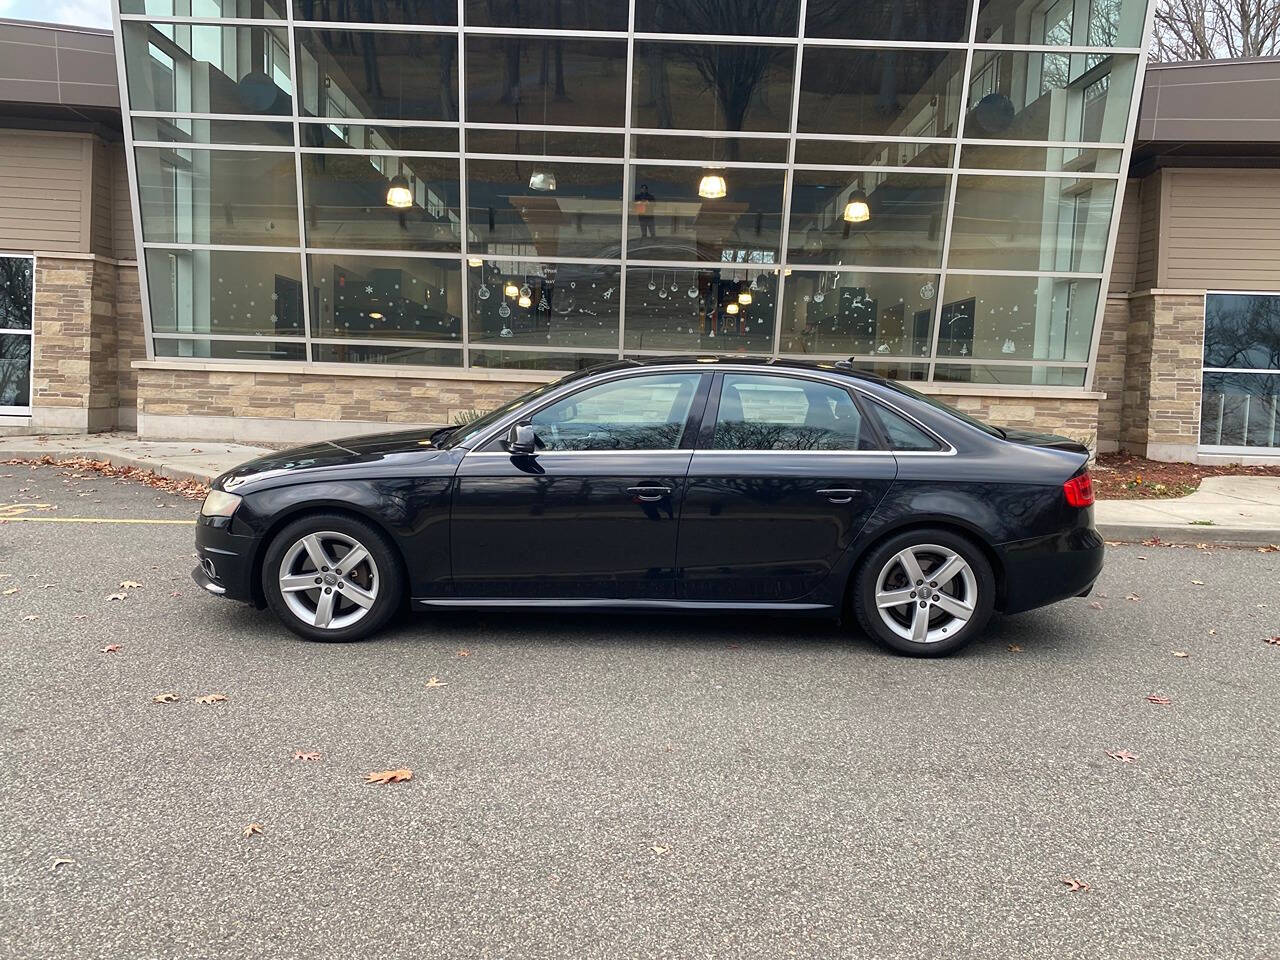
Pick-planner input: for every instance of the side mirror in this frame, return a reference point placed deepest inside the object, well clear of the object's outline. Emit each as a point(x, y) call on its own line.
point(520, 440)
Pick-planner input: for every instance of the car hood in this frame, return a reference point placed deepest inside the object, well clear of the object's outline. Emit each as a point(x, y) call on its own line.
point(347, 451)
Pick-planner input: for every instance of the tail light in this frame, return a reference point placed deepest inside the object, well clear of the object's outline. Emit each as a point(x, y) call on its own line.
point(1079, 490)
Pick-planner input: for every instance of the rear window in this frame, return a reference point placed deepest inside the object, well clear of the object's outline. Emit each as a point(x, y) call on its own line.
point(901, 433)
point(947, 408)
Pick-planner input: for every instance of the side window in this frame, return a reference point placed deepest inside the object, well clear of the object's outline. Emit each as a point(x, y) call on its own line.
point(902, 433)
point(787, 413)
point(638, 413)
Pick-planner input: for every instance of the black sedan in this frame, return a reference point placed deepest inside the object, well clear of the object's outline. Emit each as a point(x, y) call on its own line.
point(676, 484)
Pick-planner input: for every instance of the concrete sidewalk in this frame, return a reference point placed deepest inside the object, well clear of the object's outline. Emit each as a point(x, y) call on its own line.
point(1225, 510)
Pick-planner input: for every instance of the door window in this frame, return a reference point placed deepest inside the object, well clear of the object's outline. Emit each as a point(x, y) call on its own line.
point(638, 413)
point(15, 333)
point(785, 413)
point(901, 432)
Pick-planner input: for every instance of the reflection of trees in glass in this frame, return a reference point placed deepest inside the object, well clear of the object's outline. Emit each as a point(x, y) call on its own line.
point(15, 314)
point(748, 435)
point(392, 55)
point(1242, 331)
point(1213, 29)
point(15, 293)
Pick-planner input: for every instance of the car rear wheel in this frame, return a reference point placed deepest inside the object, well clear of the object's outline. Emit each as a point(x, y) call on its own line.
point(332, 578)
point(924, 593)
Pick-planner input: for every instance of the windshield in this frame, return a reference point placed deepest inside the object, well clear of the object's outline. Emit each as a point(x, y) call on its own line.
point(464, 434)
point(935, 402)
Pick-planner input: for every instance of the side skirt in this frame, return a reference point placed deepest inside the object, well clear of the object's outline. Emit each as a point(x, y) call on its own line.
point(605, 603)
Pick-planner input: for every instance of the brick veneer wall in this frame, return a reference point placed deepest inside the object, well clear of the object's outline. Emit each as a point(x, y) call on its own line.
point(131, 344)
point(1109, 372)
point(1164, 352)
point(229, 401)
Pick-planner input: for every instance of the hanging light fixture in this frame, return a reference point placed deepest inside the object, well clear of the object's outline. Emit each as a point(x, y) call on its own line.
point(525, 301)
point(712, 186)
point(857, 210)
point(511, 290)
point(731, 307)
point(375, 315)
point(744, 297)
point(544, 181)
point(474, 262)
point(399, 195)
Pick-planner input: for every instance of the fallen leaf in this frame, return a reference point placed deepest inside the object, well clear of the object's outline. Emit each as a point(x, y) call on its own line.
point(301, 755)
point(1096, 605)
point(1142, 558)
point(11, 591)
point(112, 648)
point(129, 584)
point(29, 617)
point(117, 596)
point(1124, 756)
point(211, 698)
point(437, 682)
point(251, 829)
point(166, 698)
point(390, 776)
point(1162, 701)
point(659, 849)
point(1212, 632)
point(61, 862)
point(1015, 648)
point(1077, 886)
point(81, 616)
point(1198, 583)
point(1274, 641)
point(1134, 597)
point(1181, 654)
point(464, 653)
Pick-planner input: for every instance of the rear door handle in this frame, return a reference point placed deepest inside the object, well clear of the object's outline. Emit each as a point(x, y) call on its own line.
point(840, 494)
point(649, 493)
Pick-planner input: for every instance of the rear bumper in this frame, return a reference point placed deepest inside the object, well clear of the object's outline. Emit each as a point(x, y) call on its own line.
point(1044, 570)
point(226, 560)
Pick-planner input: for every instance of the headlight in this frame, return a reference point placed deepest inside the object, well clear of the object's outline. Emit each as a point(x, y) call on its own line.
point(220, 504)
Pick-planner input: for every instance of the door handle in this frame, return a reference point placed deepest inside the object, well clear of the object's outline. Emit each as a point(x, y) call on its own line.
point(840, 494)
point(649, 493)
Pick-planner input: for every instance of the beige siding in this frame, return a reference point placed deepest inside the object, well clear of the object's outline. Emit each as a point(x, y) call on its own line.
point(1146, 272)
point(1125, 262)
point(44, 191)
point(103, 208)
point(122, 212)
point(1222, 229)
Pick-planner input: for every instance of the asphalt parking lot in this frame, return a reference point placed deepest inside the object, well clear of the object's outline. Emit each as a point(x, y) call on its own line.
point(621, 787)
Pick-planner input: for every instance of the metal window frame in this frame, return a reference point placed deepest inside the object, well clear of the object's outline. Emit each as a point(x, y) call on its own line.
point(781, 267)
point(18, 410)
point(1237, 449)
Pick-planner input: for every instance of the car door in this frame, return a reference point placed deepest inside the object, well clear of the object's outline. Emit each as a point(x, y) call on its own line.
point(593, 512)
point(785, 474)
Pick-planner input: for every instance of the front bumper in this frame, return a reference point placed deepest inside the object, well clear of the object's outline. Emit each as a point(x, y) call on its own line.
point(1044, 570)
point(226, 560)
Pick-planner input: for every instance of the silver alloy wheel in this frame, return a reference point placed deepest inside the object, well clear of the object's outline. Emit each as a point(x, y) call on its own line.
point(926, 593)
point(329, 580)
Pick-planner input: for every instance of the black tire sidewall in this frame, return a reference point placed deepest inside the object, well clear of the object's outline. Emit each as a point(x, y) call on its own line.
point(864, 594)
point(391, 587)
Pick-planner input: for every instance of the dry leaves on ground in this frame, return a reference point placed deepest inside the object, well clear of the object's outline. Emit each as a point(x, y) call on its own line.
point(117, 596)
point(305, 755)
point(10, 592)
point(129, 584)
point(189, 489)
point(212, 698)
point(165, 698)
point(390, 776)
point(1013, 647)
point(1198, 583)
point(29, 617)
point(1181, 654)
point(1096, 605)
point(112, 648)
point(659, 849)
point(1274, 641)
point(1134, 597)
point(1077, 886)
point(1124, 756)
point(1161, 701)
point(437, 682)
point(464, 653)
point(61, 862)
point(251, 829)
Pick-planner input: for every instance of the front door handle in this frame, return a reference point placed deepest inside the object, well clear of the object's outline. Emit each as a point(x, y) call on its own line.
point(649, 493)
point(840, 494)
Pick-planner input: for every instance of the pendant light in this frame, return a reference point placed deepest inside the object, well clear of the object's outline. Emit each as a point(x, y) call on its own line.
point(731, 308)
point(544, 181)
point(511, 290)
point(525, 301)
point(474, 262)
point(712, 186)
point(744, 297)
point(857, 210)
point(399, 195)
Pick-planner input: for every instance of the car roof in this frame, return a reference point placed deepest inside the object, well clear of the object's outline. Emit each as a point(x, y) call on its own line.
point(842, 367)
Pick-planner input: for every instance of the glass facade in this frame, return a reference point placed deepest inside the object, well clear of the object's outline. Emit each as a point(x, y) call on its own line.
point(927, 186)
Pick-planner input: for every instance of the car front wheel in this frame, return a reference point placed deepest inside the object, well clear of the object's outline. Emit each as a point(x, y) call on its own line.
point(332, 578)
point(924, 593)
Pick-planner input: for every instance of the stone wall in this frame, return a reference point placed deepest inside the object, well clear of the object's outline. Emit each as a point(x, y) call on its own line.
point(131, 344)
point(1109, 372)
point(1164, 350)
point(1072, 417)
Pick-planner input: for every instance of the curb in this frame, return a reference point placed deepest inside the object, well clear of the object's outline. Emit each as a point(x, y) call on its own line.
point(1189, 535)
point(116, 459)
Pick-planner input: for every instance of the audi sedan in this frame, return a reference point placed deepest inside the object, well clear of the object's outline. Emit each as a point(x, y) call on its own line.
point(705, 485)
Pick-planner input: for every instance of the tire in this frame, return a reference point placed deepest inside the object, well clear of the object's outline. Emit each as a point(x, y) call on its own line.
point(966, 596)
point(344, 605)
